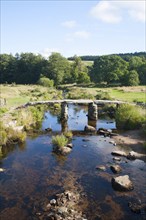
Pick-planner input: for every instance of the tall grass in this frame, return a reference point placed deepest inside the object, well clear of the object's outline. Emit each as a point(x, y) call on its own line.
point(10, 135)
point(59, 141)
point(31, 118)
point(129, 117)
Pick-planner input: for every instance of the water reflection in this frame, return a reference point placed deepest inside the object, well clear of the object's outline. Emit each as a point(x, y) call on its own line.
point(77, 119)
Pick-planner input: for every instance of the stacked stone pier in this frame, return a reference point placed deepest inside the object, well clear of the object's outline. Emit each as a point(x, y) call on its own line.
point(92, 111)
point(64, 111)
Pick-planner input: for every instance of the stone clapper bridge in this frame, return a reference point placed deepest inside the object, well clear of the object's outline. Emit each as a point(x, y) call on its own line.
point(92, 106)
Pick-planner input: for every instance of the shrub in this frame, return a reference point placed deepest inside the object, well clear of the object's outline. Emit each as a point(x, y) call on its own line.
point(101, 95)
point(79, 93)
point(59, 141)
point(44, 81)
point(128, 117)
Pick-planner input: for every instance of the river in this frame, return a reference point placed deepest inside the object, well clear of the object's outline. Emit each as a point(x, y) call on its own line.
point(33, 174)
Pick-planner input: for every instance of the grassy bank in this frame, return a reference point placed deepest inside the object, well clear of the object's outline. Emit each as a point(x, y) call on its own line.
point(128, 94)
point(15, 95)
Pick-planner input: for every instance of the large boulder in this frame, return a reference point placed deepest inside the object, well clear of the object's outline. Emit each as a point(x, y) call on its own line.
point(119, 153)
point(122, 183)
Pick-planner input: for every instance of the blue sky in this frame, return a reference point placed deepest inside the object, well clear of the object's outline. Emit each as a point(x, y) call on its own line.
point(73, 27)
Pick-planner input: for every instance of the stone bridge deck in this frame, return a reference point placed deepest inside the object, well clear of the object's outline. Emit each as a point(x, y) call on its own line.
point(74, 101)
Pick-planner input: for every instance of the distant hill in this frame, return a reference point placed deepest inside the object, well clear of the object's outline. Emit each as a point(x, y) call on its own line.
point(125, 56)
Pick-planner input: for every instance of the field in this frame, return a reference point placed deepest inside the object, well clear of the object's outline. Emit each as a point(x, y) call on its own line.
point(15, 95)
point(129, 94)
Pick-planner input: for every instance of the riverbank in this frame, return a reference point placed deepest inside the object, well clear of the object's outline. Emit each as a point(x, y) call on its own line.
point(132, 140)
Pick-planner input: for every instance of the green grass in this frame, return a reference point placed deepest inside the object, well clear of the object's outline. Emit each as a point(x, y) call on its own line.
point(20, 94)
point(129, 94)
point(59, 141)
point(129, 117)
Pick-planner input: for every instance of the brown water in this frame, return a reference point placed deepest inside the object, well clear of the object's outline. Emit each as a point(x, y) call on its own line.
point(33, 174)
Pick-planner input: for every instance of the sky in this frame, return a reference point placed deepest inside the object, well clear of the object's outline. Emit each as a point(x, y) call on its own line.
point(73, 27)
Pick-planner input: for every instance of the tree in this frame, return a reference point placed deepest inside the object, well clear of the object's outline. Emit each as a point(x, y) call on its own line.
point(58, 68)
point(79, 72)
point(131, 78)
point(8, 68)
point(108, 69)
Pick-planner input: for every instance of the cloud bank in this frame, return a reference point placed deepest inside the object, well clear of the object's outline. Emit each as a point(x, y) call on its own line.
point(114, 11)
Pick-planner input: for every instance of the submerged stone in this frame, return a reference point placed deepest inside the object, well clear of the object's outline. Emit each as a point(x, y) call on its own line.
point(101, 167)
point(122, 183)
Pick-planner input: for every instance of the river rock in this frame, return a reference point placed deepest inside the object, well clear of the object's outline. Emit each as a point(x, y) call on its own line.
point(116, 168)
point(2, 170)
point(135, 206)
point(122, 183)
point(61, 150)
point(106, 132)
point(116, 158)
point(53, 201)
point(70, 145)
point(119, 153)
point(134, 155)
point(89, 128)
point(65, 150)
point(101, 167)
point(112, 142)
point(64, 208)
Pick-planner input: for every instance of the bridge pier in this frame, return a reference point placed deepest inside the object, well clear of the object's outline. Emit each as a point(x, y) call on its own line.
point(64, 111)
point(92, 111)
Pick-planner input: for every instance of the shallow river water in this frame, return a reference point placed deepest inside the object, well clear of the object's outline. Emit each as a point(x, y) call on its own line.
point(33, 174)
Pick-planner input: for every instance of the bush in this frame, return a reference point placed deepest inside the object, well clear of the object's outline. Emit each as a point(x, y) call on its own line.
point(44, 81)
point(129, 117)
point(103, 95)
point(79, 93)
point(59, 141)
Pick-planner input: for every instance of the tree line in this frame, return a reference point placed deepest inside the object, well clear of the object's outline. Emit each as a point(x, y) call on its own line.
point(29, 68)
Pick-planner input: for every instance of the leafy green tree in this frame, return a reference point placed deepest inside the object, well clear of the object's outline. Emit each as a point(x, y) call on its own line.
point(139, 65)
point(29, 68)
point(8, 68)
point(58, 68)
point(131, 78)
point(79, 72)
point(108, 69)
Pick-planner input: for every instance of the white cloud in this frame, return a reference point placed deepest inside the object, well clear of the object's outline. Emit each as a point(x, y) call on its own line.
point(69, 24)
point(71, 37)
point(46, 52)
point(114, 11)
point(82, 34)
point(106, 11)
